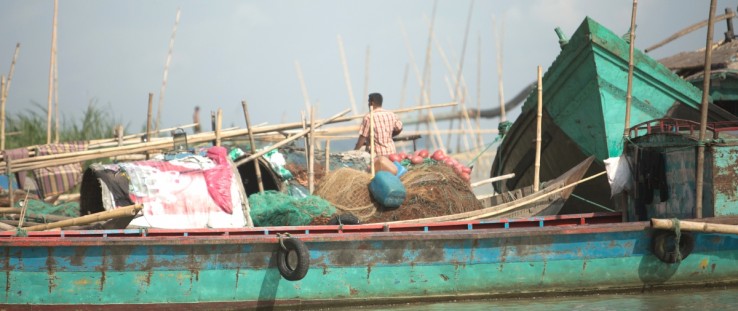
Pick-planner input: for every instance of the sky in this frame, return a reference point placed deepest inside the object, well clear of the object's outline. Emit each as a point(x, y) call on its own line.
point(112, 53)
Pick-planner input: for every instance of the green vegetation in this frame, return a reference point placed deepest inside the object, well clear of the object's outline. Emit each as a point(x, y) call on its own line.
point(29, 128)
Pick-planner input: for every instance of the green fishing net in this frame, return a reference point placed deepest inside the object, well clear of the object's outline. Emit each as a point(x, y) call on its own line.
point(273, 208)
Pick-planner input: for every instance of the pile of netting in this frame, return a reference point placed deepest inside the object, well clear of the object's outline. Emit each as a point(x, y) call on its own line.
point(348, 190)
point(272, 208)
point(432, 190)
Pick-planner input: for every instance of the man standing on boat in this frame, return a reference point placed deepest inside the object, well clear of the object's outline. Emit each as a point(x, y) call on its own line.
point(386, 126)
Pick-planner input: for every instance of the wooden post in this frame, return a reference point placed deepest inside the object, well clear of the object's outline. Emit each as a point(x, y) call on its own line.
point(218, 126)
point(327, 156)
point(539, 116)
point(148, 117)
point(305, 140)
point(213, 126)
point(253, 145)
point(119, 134)
point(9, 171)
point(51, 73)
point(704, 109)
point(311, 155)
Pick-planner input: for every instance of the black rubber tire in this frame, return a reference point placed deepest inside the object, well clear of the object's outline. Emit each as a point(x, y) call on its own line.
point(344, 219)
point(293, 271)
point(663, 245)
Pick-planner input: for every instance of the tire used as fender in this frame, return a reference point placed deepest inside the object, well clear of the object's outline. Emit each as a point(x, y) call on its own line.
point(293, 260)
point(664, 245)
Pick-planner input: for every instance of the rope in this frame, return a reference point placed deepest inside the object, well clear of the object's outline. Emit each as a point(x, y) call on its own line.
point(678, 233)
point(502, 128)
point(593, 203)
point(20, 232)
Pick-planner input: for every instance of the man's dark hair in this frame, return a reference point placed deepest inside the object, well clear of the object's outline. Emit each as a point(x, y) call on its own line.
point(376, 98)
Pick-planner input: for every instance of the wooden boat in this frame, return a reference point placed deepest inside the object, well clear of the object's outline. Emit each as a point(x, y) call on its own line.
point(352, 265)
point(584, 94)
point(349, 265)
point(547, 201)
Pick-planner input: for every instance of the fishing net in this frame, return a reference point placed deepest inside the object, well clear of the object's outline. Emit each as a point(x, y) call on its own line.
point(432, 190)
point(273, 208)
point(348, 190)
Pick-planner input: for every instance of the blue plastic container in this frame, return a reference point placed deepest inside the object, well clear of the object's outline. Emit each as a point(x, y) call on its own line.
point(387, 189)
point(401, 170)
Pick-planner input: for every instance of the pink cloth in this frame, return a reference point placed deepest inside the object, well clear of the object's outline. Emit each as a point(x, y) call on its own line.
point(218, 178)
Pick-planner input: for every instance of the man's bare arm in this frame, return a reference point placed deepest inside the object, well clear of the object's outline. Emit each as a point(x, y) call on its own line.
point(360, 142)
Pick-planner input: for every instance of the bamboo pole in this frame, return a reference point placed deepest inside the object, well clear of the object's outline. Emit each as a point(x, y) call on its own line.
point(539, 116)
point(631, 65)
point(305, 140)
point(498, 47)
point(426, 81)
point(218, 125)
point(669, 224)
point(51, 73)
point(457, 89)
point(346, 76)
point(56, 99)
point(404, 85)
point(371, 137)
point(327, 156)
point(2, 112)
point(704, 109)
point(303, 88)
point(499, 209)
point(72, 157)
point(9, 172)
point(688, 30)
point(4, 97)
point(149, 116)
point(252, 144)
point(290, 139)
point(311, 158)
point(366, 72)
point(491, 180)
point(166, 70)
point(6, 227)
point(480, 140)
point(88, 219)
point(107, 142)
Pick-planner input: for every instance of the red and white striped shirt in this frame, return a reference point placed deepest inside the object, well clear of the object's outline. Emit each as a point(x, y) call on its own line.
point(385, 122)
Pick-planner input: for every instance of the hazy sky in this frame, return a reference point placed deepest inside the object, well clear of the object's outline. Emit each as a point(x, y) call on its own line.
point(113, 52)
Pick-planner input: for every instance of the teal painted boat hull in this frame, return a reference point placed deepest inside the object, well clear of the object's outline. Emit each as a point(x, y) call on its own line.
point(365, 265)
point(584, 103)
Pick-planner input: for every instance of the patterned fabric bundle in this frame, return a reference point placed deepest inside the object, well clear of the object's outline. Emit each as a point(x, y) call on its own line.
point(58, 179)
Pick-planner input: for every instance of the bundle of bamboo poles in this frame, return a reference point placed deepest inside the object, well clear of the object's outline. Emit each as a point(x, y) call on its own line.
point(166, 143)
